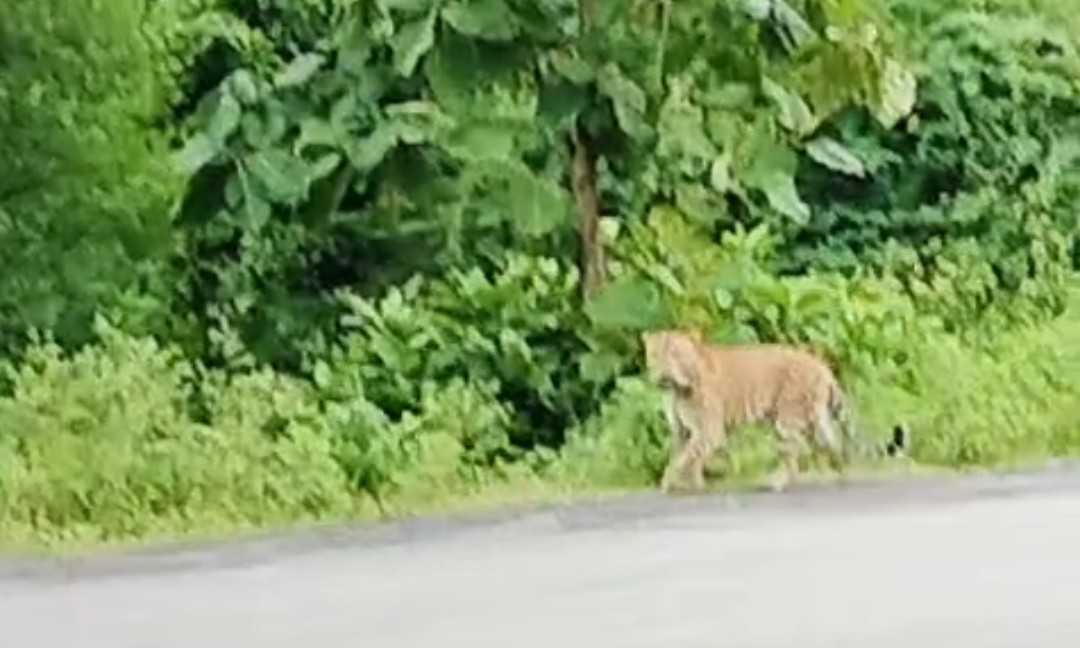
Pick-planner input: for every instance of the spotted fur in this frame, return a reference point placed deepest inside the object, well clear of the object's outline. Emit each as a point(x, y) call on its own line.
point(712, 389)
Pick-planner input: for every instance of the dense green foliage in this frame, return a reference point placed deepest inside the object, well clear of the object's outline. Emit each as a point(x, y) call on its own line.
point(971, 204)
point(85, 196)
point(402, 250)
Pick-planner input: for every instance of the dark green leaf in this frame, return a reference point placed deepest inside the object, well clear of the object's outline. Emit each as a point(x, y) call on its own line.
point(561, 102)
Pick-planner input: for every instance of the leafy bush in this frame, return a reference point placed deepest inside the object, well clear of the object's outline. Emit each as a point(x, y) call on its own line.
point(623, 446)
point(84, 203)
point(971, 204)
point(1014, 398)
point(100, 445)
point(731, 291)
point(970, 401)
point(350, 144)
point(515, 331)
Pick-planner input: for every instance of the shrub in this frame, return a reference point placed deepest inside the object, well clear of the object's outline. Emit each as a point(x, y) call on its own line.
point(624, 445)
point(1009, 399)
point(971, 204)
point(515, 330)
point(100, 445)
point(84, 204)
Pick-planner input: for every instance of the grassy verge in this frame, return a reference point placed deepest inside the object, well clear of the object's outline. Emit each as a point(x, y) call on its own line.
point(101, 448)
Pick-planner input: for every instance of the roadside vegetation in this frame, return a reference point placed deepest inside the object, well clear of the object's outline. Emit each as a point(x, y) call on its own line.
point(271, 262)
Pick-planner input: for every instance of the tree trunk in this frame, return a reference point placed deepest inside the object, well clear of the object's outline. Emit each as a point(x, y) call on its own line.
point(583, 179)
point(593, 265)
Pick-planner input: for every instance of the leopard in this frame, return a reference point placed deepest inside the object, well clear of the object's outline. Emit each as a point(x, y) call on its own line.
point(712, 389)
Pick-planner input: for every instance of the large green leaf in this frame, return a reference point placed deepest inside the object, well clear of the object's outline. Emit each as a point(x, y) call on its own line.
point(411, 7)
point(299, 70)
point(573, 69)
point(628, 303)
point(482, 139)
point(681, 133)
point(483, 19)
point(418, 122)
point(561, 102)
point(243, 86)
point(772, 172)
point(628, 99)
point(834, 155)
point(411, 42)
point(463, 71)
point(196, 153)
point(699, 203)
point(896, 95)
point(794, 114)
point(792, 29)
point(540, 205)
point(255, 212)
point(599, 366)
point(225, 119)
point(282, 175)
point(720, 174)
point(323, 166)
point(315, 131)
point(784, 197)
point(367, 153)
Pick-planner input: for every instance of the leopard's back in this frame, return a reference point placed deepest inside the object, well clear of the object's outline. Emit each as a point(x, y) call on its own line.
point(765, 383)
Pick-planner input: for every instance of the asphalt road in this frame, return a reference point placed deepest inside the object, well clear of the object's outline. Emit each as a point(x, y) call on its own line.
point(959, 562)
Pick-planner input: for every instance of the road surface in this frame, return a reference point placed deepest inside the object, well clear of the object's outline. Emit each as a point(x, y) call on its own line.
point(958, 562)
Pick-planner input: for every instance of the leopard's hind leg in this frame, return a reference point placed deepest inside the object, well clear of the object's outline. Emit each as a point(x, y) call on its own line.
point(828, 439)
point(791, 437)
point(705, 439)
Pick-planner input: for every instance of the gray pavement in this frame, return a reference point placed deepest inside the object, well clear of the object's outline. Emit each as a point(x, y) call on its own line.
point(952, 562)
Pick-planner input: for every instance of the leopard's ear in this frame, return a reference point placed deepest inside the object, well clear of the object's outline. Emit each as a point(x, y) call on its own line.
point(822, 353)
point(682, 356)
point(695, 333)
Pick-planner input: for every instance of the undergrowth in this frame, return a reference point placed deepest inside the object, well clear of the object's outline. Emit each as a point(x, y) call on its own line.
point(127, 440)
point(366, 302)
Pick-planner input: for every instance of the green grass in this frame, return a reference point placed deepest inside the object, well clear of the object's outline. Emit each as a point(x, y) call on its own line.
point(100, 468)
